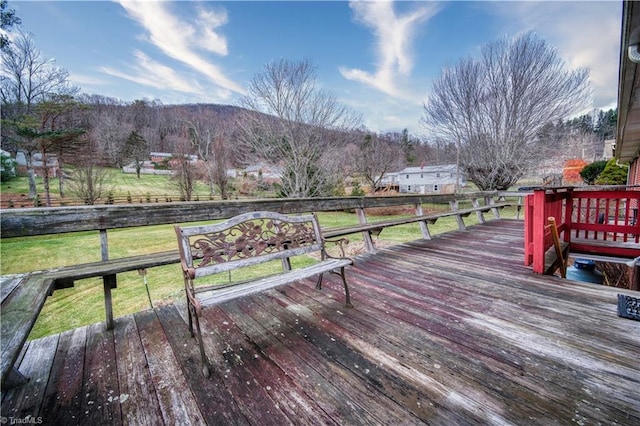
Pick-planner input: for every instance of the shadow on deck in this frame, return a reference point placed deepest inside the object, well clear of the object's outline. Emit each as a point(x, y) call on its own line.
point(449, 331)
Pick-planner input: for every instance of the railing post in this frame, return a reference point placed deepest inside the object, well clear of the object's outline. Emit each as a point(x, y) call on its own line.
point(423, 225)
point(538, 222)
point(568, 215)
point(108, 281)
point(366, 235)
point(476, 204)
point(454, 207)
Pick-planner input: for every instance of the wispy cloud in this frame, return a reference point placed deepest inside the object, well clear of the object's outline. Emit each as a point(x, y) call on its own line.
point(154, 74)
point(394, 35)
point(182, 41)
point(586, 34)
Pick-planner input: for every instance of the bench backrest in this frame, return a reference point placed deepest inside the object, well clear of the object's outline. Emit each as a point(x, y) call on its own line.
point(245, 240)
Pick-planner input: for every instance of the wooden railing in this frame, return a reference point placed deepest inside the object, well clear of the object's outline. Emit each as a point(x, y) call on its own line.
point(601, 222)
point(23, 296)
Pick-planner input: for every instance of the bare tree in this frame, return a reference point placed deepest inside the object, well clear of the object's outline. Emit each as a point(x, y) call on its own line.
point(184, 173)
point(376, 157)
point(210, 135)
point(89, 181)
point(493, 107)
point(290, 125)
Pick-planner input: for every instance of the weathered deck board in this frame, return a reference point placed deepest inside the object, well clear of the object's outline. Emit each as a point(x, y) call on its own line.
point(137, 397)
point(453, 330)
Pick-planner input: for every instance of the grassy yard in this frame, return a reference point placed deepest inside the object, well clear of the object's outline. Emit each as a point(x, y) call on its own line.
point(84, 303)
point(121, 185)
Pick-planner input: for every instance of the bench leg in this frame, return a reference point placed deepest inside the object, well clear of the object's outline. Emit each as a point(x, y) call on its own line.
point(198, 332)
point(346, 289)
point(319, 283)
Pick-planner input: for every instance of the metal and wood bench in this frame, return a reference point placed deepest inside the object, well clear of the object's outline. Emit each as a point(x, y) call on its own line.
point(247, 240)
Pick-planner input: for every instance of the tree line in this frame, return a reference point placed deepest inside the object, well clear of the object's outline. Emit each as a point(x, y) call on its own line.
point(497, 116)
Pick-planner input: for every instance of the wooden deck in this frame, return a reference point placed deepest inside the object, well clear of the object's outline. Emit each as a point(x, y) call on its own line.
point(449, 331)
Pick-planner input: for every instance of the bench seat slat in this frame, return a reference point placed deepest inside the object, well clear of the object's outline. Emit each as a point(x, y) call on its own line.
point(114, 266)
point(225, 294)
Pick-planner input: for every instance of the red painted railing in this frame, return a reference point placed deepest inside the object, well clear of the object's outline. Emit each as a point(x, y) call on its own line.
point(601, 222)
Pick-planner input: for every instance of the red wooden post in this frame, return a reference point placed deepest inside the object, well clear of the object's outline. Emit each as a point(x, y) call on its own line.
point(539, 221)
point(528, 230)
point(568, 216)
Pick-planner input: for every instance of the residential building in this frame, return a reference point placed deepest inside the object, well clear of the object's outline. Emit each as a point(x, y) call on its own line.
point(429, 179)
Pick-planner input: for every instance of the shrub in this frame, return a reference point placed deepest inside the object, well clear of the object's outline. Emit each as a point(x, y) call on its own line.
point(356, 190)
point(591, 171)
point(7, 168)
point(612, 174)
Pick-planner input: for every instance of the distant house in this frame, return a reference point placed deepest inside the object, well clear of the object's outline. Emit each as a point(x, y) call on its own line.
point(38, 166)
point(388, 182)
point(429, 179)
point(159, 163)
point(266, 172)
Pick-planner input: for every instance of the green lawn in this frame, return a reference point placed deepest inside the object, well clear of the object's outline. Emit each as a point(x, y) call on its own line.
point(121, 185)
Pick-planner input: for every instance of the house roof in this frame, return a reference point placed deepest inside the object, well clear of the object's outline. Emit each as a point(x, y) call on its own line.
point(628, 131)
point(449, 168)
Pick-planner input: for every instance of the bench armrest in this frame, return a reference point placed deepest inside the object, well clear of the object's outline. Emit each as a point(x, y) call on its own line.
point(341, 243)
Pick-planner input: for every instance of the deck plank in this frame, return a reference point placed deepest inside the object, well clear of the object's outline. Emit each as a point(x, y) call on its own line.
point(100, 390)
point(63, 396)
point(137, 396)
point(176, 401)
point(36, 365)
point(452, 330)
point(234, 350)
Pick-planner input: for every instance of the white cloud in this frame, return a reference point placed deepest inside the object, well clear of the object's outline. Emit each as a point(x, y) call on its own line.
point(151, 73)
point(394, 35)
point(182, 41)
point(586, 34)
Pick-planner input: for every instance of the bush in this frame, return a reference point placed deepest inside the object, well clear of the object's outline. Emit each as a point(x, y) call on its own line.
point(356, 190)
point(7, 168)
point(612, 174)
point(590, 172)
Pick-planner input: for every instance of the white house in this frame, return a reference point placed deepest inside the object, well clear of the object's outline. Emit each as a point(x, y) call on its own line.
point(429, 179)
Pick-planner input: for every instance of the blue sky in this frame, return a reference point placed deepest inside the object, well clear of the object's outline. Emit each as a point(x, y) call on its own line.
point(377, 57)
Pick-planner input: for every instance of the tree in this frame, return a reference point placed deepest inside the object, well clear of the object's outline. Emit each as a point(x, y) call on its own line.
point(57, 132)
point(136, 150)
point(606, 124)
point(613, 174)
point(7, 167)
point(291, 123)
point(8, 20)
point(27, 79)
point(493, 107)
point(183, 171)
point(375, 158)
point(210, 136)
point(88, 180)
point(590, 172)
